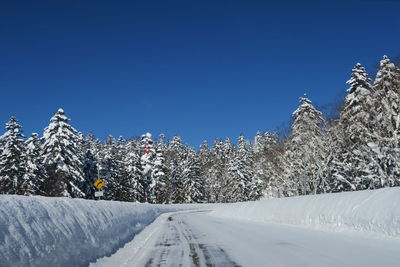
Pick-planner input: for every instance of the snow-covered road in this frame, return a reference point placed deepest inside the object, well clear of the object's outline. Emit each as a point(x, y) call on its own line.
point(200, 239)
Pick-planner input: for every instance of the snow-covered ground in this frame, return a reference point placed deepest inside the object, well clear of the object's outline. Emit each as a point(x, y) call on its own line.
point(38, 231)
point(372, 212)
point(200, 239)
point(279, 232)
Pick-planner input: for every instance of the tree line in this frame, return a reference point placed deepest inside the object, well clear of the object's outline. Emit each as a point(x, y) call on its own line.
point(357, 150)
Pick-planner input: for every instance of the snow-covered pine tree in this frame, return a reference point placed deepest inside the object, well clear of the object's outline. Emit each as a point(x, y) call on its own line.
point(154, 177)
point(387, 90)
point(306, 151)
point(241, 173)
point(175, 177)
point(267, 140)
point(216, 176)
point(81, 144)
point(205, 163)
point(262, 143)
point(387, 96)
point(89, 167)
point(90, 174)
point(147, 161)
point(204, 150)
point(262, 164)
point(35, 173)
point(163, 186)
point(227, 149)
point(192, 190)
point(161, 145)
point(357, 116)
point(355, 167)
point(90, 149)
point(112, 171)
point(92, 144)
point(107, 166)
point(257, 143)
point(126, 187)
point(131, 174)
point(61, 158)
point(13, 161)
point(174, 156)
point(334, 159)
point(275, 165)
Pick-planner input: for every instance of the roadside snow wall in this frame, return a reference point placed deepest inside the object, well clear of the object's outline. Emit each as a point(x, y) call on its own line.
point(370, 211)
point(40, 231)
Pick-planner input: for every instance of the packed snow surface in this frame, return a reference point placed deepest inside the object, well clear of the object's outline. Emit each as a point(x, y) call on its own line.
point(267, 233)
point(202, 240)
point(39, 231)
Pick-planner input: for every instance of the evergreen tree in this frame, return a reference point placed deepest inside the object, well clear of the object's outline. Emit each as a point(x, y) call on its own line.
point(61, 158)
point(35, 172)
point(227, 148)
point(387, 89)
point(276, 164)
point(81, 144)
point(162, 187)
point(13, 162)
point(306, 151)
point(90, 174)
point(354, 167)
point(111, 169)
point(217, 177)
point(176, 143)
point(264, 169)
point(257, 139)
point(176, 171)
point(192, 190)
point(387, 96)
point(174, 155)
point(133, 172)
point(336, 181)
point(205, 164)
point(92, 144)
point(127, 188)
point(240, 172)
point(357, 116)
point(147, 161)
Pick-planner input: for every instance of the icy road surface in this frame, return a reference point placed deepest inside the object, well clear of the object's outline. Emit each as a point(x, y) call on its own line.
point(200, 239)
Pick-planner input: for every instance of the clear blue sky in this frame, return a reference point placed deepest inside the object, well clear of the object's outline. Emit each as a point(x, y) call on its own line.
point(200, 69)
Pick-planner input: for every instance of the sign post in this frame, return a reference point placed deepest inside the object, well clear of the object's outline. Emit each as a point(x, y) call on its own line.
point(99, 185)
point(99, 194)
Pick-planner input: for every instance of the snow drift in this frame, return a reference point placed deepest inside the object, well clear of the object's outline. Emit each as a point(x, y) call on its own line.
point(370, 211)
point(40, 231)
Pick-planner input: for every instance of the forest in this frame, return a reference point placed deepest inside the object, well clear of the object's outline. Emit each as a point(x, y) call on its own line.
point(356, 150)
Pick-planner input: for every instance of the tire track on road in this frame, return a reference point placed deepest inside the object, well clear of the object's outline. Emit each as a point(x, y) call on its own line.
point(180, 246)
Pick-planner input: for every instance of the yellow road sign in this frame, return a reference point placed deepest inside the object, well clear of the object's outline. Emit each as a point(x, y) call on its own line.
point(99, 184)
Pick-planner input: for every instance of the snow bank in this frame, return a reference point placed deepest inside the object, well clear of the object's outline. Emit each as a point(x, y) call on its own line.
point(372, 211)
point(40, 231)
